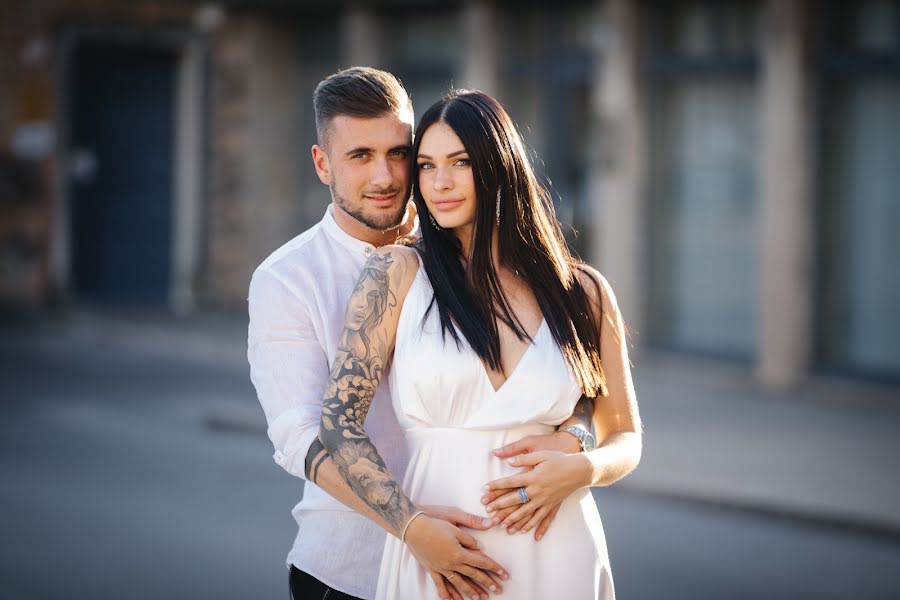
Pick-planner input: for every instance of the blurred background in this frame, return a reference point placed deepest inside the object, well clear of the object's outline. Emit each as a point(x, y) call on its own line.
point(733, 168)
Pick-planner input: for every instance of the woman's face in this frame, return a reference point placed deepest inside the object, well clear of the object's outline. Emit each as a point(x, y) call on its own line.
point(445, 177)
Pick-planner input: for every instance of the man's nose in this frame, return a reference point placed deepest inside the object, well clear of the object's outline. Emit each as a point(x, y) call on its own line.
point(382, 176)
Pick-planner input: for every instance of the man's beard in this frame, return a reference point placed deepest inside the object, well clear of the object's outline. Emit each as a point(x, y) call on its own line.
point(381, 224)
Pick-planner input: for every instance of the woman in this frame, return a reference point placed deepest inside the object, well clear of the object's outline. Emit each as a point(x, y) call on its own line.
point(495, 331)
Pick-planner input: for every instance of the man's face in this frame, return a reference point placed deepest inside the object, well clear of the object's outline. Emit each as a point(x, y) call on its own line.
point(367, 167)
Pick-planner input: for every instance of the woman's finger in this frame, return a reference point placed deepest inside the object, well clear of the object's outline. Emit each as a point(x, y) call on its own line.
point(491, 495)
point(536, 518)
point(545, 524)
point(513, 481)
point(513, 498)
point(523, 511)
point(529, 460)
point(501, 514)
point(519, 447)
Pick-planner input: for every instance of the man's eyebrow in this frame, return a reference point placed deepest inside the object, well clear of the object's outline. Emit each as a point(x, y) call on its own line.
point(451, 155)
point(404, 147)
point(357, 151)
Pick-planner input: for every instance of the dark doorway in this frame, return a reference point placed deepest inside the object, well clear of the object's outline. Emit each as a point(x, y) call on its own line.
point(122, 108)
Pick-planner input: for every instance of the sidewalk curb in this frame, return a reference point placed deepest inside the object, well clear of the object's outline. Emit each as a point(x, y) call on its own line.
point(797, 516)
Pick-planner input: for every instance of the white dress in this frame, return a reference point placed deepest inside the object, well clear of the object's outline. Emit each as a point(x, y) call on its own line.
point(452, 419)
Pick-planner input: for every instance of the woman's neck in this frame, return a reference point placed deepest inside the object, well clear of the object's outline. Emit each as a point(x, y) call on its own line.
point(465, 235)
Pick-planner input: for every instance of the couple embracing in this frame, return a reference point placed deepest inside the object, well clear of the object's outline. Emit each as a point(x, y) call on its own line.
point(433, 360)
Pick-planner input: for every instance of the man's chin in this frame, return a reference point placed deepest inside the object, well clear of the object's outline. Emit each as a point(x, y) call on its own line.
point(383, 219)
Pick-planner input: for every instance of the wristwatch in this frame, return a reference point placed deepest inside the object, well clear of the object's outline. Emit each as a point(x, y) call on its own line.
point(585, 437)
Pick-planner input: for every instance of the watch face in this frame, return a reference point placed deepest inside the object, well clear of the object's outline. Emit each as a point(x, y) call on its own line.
point(587, 441)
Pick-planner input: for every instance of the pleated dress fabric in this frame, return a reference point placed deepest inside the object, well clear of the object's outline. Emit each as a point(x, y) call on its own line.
point(452, 418)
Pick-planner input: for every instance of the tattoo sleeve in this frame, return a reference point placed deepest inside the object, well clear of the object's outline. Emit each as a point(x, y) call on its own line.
point(314, 459)
point(355, 375)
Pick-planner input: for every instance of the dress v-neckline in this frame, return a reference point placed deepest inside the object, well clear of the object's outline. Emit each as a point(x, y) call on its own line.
point(512, 373)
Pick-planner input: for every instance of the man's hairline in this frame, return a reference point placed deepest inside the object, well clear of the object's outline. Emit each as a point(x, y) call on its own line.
point(323, 143)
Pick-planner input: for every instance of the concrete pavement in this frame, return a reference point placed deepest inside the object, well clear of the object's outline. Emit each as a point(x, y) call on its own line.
point(828, 451)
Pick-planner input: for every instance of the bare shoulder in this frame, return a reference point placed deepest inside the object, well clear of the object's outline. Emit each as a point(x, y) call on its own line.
point(598, 288)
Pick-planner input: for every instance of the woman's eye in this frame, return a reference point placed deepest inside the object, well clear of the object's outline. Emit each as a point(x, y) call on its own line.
point(426, 166)
point(463, 162)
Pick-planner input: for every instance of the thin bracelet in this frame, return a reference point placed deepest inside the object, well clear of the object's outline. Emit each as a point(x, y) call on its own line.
point(408, 523)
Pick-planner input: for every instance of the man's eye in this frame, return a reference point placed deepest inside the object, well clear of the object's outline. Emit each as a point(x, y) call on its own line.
point(359, 155)
point(403, 153)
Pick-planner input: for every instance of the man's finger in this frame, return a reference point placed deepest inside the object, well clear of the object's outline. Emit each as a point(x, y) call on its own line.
point(482, 561)
point(467, 587)
point(456, 516)
point(518, 447)
point(466, 540)
point(545, 524)
point(464, 519)
point(480, 577)
point(441, 585)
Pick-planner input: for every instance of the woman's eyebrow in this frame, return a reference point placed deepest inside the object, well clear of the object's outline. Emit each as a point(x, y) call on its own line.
point(451, 155)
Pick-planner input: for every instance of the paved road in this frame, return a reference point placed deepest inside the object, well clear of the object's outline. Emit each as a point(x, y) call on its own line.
point(131, 472)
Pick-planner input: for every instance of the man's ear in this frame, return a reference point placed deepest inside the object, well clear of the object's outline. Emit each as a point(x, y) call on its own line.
point(320, 160)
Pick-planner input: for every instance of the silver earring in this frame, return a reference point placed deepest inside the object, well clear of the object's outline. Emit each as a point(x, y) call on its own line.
point(498, 206)
point(433, 222)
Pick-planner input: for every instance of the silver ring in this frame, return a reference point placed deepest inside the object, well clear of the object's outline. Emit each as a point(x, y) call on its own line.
point(523, 495)
point(451, 577)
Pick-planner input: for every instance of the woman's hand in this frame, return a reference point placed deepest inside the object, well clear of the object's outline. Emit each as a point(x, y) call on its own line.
point(452, 555)
point(559, 440)
point(551, 478)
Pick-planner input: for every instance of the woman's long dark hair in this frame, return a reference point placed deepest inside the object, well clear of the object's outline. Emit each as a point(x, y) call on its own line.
point(530, 244)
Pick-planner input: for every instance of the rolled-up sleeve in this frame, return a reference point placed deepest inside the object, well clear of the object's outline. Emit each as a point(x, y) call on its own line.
point(288, 368)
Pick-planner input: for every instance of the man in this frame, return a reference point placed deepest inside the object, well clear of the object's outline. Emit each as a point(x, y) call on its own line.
point(297, 303)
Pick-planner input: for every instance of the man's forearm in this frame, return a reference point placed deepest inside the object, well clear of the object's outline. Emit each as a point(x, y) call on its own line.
point(320, 469)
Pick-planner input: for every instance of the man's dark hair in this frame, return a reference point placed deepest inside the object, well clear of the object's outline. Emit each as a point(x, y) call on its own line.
point(359, 92)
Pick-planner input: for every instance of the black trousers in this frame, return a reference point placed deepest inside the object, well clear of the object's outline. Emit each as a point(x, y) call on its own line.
point(306, 587)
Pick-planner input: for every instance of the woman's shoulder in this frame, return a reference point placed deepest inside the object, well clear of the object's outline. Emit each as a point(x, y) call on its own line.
point(597, 287)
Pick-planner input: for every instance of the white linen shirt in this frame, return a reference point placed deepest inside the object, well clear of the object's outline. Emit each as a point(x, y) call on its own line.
point(298, 297)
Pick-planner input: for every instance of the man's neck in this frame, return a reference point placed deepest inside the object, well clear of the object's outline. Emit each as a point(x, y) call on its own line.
point(367, 234)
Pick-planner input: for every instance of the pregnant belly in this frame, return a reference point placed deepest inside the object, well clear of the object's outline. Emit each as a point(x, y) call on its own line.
point(450, 466)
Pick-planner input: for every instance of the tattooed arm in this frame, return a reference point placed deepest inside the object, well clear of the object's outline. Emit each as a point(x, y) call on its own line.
point(366, 345)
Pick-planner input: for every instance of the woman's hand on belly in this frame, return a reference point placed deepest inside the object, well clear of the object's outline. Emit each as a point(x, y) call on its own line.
point(549, 478)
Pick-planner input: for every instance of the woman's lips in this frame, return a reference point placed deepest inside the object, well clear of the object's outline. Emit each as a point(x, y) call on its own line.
point(449, 204)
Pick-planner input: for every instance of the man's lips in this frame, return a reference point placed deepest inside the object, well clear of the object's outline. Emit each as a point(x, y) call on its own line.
point(381, 199)
point(448, 203)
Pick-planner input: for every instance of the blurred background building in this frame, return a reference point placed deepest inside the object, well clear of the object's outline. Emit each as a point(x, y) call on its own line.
point(732, 166)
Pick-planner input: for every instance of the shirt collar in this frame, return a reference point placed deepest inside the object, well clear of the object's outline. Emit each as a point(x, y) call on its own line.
point(341, 236)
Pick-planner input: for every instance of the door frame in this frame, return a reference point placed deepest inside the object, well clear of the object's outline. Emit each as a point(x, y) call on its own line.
point(189, 177)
